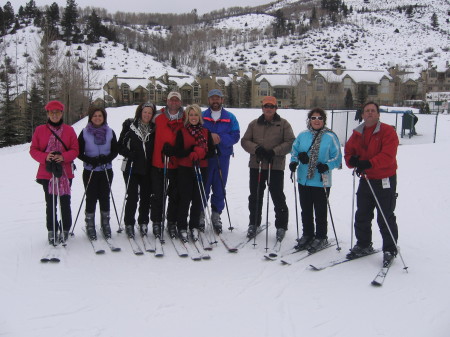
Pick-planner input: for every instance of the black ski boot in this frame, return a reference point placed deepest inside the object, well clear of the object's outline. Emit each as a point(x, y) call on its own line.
point(63, 237)
point(304, 242)
point(216, 222)
point(157, 229)
point(172, 228)
point(317, 244)
point(358, 251)
point(129, 229)
point(143, 229)
point(281, 232)
point(51, 238)
point(90, 226)
point(106, 228)
point(183, 235)
point(251, 232)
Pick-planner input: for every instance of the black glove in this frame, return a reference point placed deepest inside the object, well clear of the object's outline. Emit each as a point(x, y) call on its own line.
point(91, 161)
point(362, 166)
point(260, 152)
point(303, 157)
point(293, 166)
point(131, 155)
point(353, 161)
point(168, 150)
point(322, 168)
point(269, 155)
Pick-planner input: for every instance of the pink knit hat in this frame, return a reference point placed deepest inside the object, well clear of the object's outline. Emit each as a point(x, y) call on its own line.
point(54, 105)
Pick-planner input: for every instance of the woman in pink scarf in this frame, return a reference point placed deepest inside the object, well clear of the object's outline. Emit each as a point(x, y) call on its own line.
point(55, 146)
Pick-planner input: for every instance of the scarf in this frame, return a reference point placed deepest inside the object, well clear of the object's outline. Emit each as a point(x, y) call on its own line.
point(196, 132)
point(314, 149)
point(99, 133)
point(145, 130)
point(63, 186)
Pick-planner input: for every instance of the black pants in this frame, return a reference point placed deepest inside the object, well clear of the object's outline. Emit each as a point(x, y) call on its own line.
point(314, 200)
point(189, 195)
point(255, 200)
point(66, 213)
point(139, 190)
point(98, 189)
point(158, 191)
point(387, 197)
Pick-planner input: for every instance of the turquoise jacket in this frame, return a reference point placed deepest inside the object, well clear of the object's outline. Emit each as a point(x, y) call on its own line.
point(329, 153)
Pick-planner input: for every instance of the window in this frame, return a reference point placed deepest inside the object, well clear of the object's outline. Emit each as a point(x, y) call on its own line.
point(196, 91)
point(319, 84)
point(385, 86)
point(334, 88)
point(264, 89)
point(372, 90)
point(348, 84)
point(281, 93)
point(433, 74)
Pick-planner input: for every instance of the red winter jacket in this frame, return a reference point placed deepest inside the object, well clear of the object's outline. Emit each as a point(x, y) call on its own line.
point(166, 132)
point(39, 144)
point(186, 143)
point(381, 150)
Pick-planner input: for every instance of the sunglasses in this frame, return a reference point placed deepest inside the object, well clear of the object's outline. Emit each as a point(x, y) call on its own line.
point(313, 118)
point(269, 106)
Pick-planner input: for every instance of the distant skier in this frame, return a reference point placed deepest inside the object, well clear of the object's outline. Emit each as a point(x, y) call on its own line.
point(372, 150)
point(55, 146)
point(268, 139)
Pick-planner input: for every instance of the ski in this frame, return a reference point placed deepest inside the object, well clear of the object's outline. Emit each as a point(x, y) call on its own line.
point(195, 255)
point(280, 255)
point(340, 261)
point(205, 242)
point(247, 240)
point(381, 276)
point(137, 250)
point(159, 251)
point(112, 245)
point(305, 253)
point(204, 255)
point(226, 244)
point(273, 253)
point(98, 249)
point(149, 246)
point(51, 254)
point(179, 247)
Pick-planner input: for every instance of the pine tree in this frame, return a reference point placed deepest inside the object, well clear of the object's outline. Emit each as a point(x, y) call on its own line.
point(30, 9)
point(50, 24)
point(69, 22)
point(8, 15)
point(434, 21)
point(174, 63)
point(35, 108)
point(279, 27)
point(293, 99)
point(93, 28)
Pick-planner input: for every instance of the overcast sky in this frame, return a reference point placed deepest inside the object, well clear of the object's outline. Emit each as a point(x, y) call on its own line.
point(152, 6)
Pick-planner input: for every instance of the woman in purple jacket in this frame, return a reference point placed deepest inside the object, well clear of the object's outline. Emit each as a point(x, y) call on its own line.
point(54, 146)
point(98, 147)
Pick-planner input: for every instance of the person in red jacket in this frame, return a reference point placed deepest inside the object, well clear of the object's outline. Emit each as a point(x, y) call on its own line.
point(194, 144)
point(372, 151)
point(55, 146)
point(167, 123)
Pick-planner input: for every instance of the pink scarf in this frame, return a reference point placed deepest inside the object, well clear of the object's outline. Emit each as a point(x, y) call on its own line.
point(55, 145)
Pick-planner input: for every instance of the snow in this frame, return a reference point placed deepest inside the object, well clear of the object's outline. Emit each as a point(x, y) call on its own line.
point(120, 294)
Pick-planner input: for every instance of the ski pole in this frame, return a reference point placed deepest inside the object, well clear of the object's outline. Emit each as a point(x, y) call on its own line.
point(110, 191)
point(353, 209)
point(125, 199)
point(385, 221)
point(296, 207)
point(202, 187)
point(331, 215)
point(61, 221)
point(224, 191)
point(54, 209)
point(267, 205)
point(166, 183)
point(258, 187)
point(82, 200)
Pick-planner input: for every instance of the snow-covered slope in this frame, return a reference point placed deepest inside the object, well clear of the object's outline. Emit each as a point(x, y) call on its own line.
point(120, 294)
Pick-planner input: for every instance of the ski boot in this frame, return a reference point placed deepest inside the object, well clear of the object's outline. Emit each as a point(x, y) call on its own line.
point(90, 226)
point(106, 228)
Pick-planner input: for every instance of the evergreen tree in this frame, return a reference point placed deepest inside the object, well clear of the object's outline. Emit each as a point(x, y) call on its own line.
point(348, 101)
point(361, 93)
point(279, 27)
point(50, 24)
point(434, 21)
point(174, 63)
point(313, 18)
point(8, 15)
point(69, 22)
point(2, 23)
point(293, 99)
point(35, 109)
point(30, 9)
point(93, 28)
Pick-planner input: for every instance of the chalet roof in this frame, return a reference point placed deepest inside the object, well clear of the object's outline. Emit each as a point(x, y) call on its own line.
point(358, 76)
point(134, 83)
point(276, 79)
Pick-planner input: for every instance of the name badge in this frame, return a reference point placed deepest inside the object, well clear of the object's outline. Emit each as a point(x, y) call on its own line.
point(385, 182)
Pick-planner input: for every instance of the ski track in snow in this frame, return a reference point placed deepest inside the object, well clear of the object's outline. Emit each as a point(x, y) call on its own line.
point(120, 294)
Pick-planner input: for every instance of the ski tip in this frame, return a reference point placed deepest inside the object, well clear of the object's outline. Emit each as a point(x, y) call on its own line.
point(376, 284)
point(116, 249)
point(283, 262)
point(314, 267)
point(100, 252)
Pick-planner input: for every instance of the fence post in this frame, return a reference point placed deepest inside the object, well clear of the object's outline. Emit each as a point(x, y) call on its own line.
point(346, 128)
point(435, 126)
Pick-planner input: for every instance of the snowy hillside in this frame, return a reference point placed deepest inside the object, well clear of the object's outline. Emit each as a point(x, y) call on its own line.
point(242, 294)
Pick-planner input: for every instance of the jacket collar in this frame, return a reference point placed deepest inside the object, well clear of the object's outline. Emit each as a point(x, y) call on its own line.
point(276, 118)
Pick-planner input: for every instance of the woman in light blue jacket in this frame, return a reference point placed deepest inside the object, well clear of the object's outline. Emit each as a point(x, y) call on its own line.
point(316, 151)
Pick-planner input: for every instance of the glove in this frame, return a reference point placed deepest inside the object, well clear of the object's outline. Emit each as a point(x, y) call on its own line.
point(322, 168)
point(102, 159)
point(353, 161)
point(293, 166)
point(269, 155)
point(131, 155)
point(303, 157)
point(362, 166)
point(93, 161)
point(193, 156)
point(260, 152)
point(168, 150)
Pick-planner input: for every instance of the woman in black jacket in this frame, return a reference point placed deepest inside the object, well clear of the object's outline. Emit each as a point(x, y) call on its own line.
point(136, 145)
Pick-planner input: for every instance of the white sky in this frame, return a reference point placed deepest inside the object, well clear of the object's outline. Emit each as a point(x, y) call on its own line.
point(174, 6)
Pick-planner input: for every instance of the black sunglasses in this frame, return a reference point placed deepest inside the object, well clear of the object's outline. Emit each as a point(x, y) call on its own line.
point(313, 118)
point(269, 106)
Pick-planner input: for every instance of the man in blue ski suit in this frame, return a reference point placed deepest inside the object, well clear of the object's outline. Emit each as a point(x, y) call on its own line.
point(225, 132)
